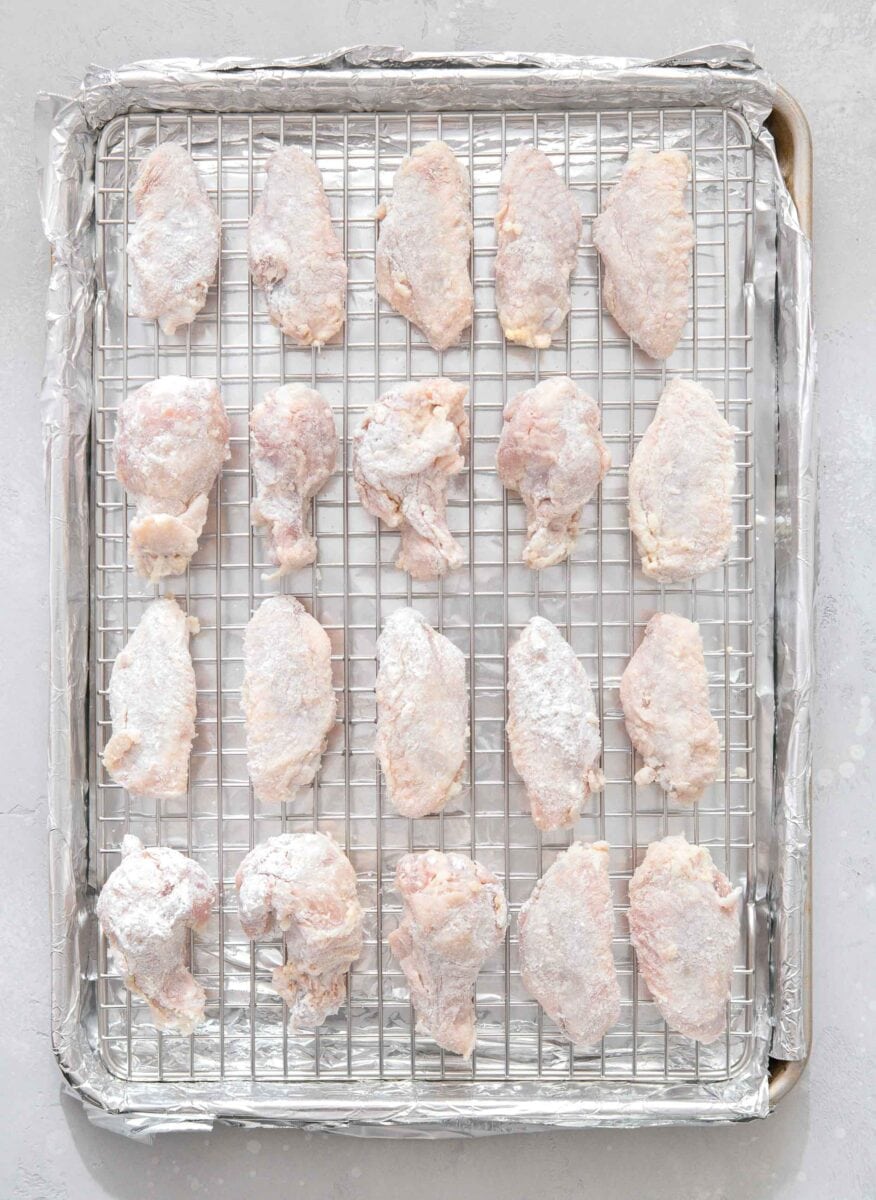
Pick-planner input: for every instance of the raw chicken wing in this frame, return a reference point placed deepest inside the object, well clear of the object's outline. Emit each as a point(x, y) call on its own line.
point(152, 705)
point(539, 227)
point(552, 453)
point(664, 693)
point(425, 242)
point(174, 245)
point(681, 486)
point(553, 729)
point(294, 253)
point(171, 442)
point(304, 885)
point(293, 447)
point(684, 927)
point(645, 237)
point(288, 700)
point(422, 714)
point(455, 917)
point(410, 443)
point(565, 929)
point(146, 909)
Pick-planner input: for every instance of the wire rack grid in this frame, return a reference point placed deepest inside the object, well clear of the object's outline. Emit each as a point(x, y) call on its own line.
point(599, 598)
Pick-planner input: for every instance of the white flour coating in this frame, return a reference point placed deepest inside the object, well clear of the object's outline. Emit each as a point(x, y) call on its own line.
point(174, 245)
point(552, 453)
point(171, 441)
point(295, 255)
point(553, 727)
point(664, 693)
point(539, 228)
point(287, 696)
point(425, 242)
point(293, 450)
point(152, 705)
point(681, 486)
point(455, 916)
point(304, 885)
point(565, 934)
point(645, 237)
point(408, 446)
point(422, 714)
point(146, 908)
point(684, 927)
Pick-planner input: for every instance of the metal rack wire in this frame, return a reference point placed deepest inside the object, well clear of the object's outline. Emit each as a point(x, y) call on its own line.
point(598, 599)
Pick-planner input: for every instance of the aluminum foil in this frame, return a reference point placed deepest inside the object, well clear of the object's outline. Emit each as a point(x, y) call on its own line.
point(362, 79)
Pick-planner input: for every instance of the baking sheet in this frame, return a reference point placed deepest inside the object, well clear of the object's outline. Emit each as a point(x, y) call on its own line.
point(243, 1064)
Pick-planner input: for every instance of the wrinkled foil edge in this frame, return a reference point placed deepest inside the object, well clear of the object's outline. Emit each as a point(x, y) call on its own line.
point(361, 78)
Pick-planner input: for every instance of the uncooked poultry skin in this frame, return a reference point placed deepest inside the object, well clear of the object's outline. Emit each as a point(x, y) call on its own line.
point(455, 917)
point(539, 228)
point(171, 441)
point(288, 700)
point(552, 453)
point(410, 443)
point(645, 237)
point(146, 908)
point(553, 727)
point(293, 450)
point(174, 245)
point(565, 934)
point(684, 927)
point(422, 714)
point(152, 705)
point(681, 486)
point(294, 253)
point(425, 242)
point(664, 693)
point(304, 885)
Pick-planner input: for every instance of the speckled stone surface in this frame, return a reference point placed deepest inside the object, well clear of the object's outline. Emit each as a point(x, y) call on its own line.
point(820, 1142)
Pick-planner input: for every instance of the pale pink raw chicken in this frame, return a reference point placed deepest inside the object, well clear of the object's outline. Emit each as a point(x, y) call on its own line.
point(684, 927)
point(422, 714)
point(174, 245)
point(664, 693)
point(293, 450)
point(146, 909)
point(565, 933)
point(425, 242)
point(681, 486)
point(408, 446)
point(553, 726)
point(539, 228)
point(171, 442)
point(304, 885)
point(295, 255)
point(645, 236)
point(152, 705)
point(552, 453)
point(288, 699)
point(455, 917)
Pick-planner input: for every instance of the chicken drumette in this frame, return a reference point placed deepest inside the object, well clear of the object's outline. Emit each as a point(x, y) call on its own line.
point(146, 908)
point(552, 453)
point(294, 448)
point(171, 442)
point(304, 885)
point(288, 700)
point(455, 917)
point(174, 245)
point(152, 705)
point(410, 443)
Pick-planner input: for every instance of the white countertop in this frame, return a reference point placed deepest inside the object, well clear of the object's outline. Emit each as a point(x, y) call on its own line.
point(820, 1141)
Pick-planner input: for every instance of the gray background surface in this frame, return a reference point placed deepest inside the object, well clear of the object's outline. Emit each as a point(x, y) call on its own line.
point(820, 1142)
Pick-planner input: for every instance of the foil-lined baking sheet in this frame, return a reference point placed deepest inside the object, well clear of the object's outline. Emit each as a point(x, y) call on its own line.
point(358, 112)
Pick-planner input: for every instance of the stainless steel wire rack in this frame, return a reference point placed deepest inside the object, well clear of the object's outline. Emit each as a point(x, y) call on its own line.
point(599, 598)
